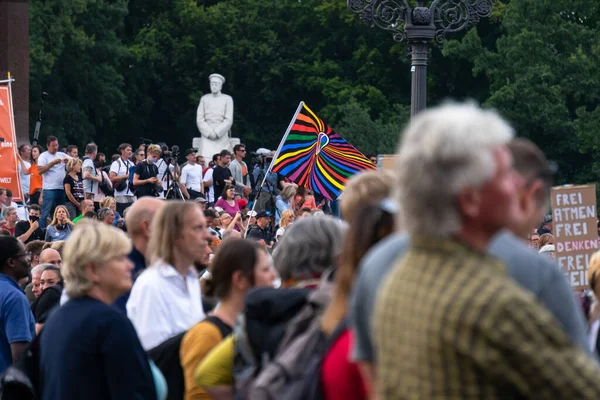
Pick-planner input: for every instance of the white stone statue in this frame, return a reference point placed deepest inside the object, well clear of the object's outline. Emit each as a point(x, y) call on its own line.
point(214, 119)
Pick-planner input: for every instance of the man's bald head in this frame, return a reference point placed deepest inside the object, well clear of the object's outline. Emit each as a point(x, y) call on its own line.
point(139, 216)
point(51, 256)
point(86, 205)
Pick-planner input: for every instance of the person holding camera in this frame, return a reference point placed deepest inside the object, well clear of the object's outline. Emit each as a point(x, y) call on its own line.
point(119, 176)
point(145, 180)
point(190, 181)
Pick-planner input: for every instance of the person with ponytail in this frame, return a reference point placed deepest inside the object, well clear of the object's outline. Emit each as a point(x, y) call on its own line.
point(238, 266)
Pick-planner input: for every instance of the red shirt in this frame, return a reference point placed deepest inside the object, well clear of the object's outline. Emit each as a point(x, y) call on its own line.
point(340, 377)
point(11, 230)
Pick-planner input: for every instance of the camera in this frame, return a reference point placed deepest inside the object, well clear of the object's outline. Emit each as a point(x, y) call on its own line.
point(261, 156)
point(170, 156)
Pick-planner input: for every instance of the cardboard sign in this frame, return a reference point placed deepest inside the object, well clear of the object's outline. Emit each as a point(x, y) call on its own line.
point(9, 175)
point(575, 231)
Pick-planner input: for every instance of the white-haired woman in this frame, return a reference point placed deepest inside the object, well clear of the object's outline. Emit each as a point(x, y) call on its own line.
point(88, 349)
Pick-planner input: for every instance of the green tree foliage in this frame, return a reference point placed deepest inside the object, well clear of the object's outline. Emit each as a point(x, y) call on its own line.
point(119, 70)
point(78, 58)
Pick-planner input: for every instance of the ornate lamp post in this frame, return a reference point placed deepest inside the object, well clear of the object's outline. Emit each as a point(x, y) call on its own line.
point(419, 25)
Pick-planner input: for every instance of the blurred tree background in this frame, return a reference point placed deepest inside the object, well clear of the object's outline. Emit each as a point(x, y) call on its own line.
point(120, 70)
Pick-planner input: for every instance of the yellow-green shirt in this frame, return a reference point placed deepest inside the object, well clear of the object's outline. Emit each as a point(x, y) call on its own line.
point(450, 324)
point(216, 369)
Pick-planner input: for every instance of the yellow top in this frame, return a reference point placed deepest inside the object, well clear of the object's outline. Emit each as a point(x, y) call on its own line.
point(195, 345)
point(216, 369)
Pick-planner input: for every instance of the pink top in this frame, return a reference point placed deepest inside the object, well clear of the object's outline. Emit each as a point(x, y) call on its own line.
point(222, 203)
point(340, 378)
point(309, 203)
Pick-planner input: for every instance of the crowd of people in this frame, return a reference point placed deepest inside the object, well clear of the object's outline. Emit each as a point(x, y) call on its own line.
point(432, 284)
point(60, 189)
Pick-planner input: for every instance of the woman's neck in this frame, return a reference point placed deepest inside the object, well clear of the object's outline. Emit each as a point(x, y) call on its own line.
point(228, 310)
point(73, 175)
point(101, 295)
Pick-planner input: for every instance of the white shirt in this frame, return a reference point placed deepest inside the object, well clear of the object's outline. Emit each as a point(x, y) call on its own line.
point(24, 178)
point(191, 177)
point(163, 303)
point(89, 186)
point(121, 168)
point(53, 178)
point(208, 176)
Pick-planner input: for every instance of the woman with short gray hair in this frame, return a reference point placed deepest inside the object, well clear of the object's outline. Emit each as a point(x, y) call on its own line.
point(87, 337)
point(309, 247)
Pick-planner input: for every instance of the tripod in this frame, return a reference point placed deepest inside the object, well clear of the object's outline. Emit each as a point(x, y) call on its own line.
point(173, 189)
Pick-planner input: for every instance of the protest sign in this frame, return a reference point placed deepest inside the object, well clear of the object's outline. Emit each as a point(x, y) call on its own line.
point(575, 230)
point(9, 176)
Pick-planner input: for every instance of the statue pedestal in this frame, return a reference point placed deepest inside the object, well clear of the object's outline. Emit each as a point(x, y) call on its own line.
point(197, 144)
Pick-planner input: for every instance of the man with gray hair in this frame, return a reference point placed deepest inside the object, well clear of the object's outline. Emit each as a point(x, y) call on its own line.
point(90, 176)
point(449, 319)
point(11, 217)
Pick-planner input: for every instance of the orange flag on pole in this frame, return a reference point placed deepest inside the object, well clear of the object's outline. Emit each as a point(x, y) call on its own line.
point(9, 173)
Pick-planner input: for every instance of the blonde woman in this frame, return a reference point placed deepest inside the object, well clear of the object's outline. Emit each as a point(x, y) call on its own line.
point(287, 218)
point(545, 239)
point(87, 337)
point(73, 185)
point(110, 202)
point(61, 226)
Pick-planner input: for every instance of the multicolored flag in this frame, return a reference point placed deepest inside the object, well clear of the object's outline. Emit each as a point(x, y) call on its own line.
point(314, 156)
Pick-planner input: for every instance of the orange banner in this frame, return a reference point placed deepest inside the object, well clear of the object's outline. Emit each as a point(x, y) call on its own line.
point(9, 175)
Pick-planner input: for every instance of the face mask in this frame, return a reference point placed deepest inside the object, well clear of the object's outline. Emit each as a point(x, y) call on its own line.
point(33, 218)
point(152, 159)
point(98, 164)
point(60, 227)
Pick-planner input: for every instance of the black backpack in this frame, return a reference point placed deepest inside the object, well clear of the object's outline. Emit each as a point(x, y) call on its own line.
point(20, 381)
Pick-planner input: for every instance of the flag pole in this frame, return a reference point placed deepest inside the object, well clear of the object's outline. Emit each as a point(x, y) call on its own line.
point(287, 132)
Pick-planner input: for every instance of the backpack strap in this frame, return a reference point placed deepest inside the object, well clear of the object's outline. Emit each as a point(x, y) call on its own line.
point(225, 329)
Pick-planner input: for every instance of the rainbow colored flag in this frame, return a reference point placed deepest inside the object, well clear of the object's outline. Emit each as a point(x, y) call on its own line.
point(314, 156)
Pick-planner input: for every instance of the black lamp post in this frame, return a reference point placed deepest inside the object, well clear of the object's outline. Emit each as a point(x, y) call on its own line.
point(419, 25)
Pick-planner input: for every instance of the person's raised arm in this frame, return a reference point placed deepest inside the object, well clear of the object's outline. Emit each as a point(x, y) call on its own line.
point(43, 168)
point(26, 171)
point(25, 236)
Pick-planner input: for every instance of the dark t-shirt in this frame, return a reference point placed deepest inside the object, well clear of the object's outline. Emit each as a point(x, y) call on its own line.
point(89, 350)
point(23, 226)
point(76, 187)
point(255, 232)
point(219, 176)
point(146, 171)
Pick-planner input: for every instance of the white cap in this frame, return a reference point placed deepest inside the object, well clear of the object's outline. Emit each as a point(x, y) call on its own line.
point(219, 76)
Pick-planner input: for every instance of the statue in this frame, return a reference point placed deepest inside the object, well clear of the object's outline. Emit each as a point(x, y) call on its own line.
point(214, 119)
